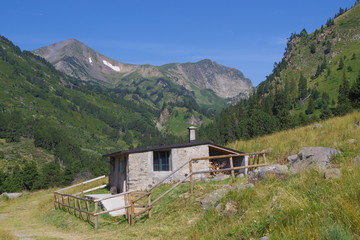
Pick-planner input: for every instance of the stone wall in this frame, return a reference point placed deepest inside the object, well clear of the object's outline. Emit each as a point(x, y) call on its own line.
point(140, 166)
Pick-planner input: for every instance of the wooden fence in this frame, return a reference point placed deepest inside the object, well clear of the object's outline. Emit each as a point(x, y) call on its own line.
point(137, 203)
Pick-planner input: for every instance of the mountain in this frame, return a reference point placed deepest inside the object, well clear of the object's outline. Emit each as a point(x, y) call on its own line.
point(318, 78)
point(76, 59)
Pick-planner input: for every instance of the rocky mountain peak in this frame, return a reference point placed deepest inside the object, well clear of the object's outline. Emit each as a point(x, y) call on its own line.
point(76, 59)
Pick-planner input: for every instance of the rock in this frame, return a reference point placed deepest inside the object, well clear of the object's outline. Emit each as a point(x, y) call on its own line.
point(243, 186)
point(292, 158)
point(351, 140)
point(185, 195)
point(318, 125)
point(218, 177)
point(357, 160)
point(230, 208)
point(332, 173)
point(11, 195)
point(212, 199)
point(260, 173)
point(316, 157)
point(357, 123)
point(265, 238)
point(240, 175)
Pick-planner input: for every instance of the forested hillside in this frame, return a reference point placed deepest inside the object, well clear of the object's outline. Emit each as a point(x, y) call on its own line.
point(318, 77)
point(57, 127)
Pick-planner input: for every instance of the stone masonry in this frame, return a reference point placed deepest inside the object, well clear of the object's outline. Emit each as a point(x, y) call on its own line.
point(140, 166)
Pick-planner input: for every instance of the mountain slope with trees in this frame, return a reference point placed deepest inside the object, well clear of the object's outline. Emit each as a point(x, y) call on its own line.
point(318, 77)
point(69, 123)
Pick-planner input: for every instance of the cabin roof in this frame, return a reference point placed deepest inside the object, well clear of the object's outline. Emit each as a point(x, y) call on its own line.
point(166, 147)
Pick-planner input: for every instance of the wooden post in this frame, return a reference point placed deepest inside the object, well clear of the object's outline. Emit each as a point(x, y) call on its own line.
point(232, 166)
point(75, 207)
point(55, 201)
point(80, 213)
point(149, 205)
point(87, 209)
point(63, 202)
point(127, 211)
point(69, 204)
point(96, 217)
point(191, 178)
point(264, 157)
point(132, 214)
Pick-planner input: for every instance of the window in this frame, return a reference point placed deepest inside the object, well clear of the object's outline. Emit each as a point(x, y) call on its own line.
point(162, 161)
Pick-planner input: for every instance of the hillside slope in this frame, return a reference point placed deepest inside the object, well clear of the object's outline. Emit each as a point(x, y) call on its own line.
point(304, 206)
point(318, 78)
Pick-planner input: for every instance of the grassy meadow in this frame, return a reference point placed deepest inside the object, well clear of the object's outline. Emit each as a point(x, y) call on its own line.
point(305, 206)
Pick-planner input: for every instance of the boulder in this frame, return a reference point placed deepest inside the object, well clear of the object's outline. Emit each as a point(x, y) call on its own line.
point(11, 195)
point(279, 171)
point(219, 177)
point(332, 173)
point(213, 199)
point(240, 175)
point(357, 160)
point(316, 157)
point(230, 208)
point(243, 186)
point(318, 125)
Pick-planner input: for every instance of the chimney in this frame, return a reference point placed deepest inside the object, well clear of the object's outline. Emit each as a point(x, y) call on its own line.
point(192, 137)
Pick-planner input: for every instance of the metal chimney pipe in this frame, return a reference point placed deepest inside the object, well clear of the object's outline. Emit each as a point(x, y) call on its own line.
point(192, 136)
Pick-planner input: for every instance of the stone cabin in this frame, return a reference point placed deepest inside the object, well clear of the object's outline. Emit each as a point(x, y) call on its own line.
point(139, 169)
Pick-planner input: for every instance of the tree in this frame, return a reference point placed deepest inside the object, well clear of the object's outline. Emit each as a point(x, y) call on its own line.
point(312, 48)
point(50, 176)
point(311, 107)
point(354, 93)
point(341, 64)
point(302, 87)
point(344, 105)
point(29, 175)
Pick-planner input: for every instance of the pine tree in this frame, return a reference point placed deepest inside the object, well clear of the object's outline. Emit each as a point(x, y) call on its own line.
point(344, 105)
point(354, 93)
point(341, 64)
point(302, 87)
point(311, 107)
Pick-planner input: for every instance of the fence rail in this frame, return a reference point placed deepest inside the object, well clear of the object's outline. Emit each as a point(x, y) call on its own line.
point(79, 205)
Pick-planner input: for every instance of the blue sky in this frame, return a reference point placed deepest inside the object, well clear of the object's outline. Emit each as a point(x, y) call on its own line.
point(244, 34)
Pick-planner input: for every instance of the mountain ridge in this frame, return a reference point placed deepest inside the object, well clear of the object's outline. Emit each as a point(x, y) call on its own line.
point(78, 60)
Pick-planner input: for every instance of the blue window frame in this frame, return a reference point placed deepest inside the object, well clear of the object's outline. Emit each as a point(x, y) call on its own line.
point(162, 161)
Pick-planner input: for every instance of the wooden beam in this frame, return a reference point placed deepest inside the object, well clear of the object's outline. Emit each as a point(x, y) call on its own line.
point(229, 169)
point(226, 156)
point(76, 185)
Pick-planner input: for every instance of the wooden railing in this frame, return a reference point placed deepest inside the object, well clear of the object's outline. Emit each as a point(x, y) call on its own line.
point(254, 160)
point(88, 209)
point(81, 206)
